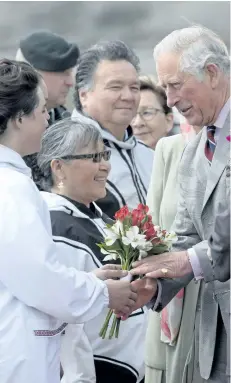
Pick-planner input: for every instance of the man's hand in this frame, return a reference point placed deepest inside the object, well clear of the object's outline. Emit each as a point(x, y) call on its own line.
point(146, 290)
point(110, 272)
point(166, 265)
point(122, 296)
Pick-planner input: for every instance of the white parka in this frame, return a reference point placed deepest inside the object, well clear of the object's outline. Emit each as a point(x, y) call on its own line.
point(38, 295)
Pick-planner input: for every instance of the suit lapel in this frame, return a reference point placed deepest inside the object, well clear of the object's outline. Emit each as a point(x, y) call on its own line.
point(219, 162)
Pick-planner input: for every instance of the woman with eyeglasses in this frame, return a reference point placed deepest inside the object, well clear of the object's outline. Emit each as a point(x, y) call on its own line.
point(154, 119)
point(76, 165)
point(39, 295)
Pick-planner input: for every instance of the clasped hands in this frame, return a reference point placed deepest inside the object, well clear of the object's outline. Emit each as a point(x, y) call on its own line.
point(126, 297)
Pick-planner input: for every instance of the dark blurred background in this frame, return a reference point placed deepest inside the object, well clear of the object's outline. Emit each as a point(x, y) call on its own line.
point(141, 24)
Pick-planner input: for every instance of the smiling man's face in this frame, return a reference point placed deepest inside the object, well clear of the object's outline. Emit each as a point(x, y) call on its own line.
point(115, 93)
point(193, 98)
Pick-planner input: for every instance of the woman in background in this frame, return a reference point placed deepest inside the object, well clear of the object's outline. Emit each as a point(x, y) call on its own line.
point(169, 351)
point(154, 119)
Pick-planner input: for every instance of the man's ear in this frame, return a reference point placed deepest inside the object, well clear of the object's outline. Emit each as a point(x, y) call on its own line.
point(83, 96)
point(213, 72)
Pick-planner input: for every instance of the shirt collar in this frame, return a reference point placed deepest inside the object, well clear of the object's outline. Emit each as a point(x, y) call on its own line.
point(223, 115)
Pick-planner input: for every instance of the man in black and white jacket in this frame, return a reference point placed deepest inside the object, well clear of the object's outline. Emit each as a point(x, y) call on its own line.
point(107, 91)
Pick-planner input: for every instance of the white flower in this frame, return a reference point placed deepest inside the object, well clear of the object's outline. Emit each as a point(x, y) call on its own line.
point(142, 254)
point(170, 238)
point(110, 239)
point(103, 251)
point(109, 255)
point(113, 233)
point(158, 231)
point(118, 228)
point(133, 238)
point(146, 246)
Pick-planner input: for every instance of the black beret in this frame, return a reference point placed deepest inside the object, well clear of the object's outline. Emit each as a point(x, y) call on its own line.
point(49, 52)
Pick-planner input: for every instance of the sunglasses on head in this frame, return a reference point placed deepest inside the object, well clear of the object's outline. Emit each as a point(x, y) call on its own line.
point(96, 157)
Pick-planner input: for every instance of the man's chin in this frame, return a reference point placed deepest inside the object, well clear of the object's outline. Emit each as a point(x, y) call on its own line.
point(124, 120)
point(62, 100)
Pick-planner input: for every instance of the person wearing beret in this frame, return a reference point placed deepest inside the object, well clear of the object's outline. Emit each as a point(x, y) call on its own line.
point(55, 59)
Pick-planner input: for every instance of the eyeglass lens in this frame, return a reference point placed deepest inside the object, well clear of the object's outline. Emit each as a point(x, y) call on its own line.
point(105, 155)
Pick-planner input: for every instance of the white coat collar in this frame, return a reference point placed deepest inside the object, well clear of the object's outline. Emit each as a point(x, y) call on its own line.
point(11, 159)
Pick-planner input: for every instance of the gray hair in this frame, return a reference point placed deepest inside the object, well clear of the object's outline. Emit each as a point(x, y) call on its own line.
point(89, 60)
point(198, 47)
point(66, 137)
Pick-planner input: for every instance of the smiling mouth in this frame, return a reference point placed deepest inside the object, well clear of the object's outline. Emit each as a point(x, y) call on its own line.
point(185, 111)
point(101, 180)
point(142, 134)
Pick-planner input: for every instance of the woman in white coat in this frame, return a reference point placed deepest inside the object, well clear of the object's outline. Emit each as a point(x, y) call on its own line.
point(38, 294)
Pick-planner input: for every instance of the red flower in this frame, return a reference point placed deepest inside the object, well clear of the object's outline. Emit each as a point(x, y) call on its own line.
point(228, 138)
point(149, 230)
point(149, 218)
point(137, 217)
point(143, 208)
point(122, 213)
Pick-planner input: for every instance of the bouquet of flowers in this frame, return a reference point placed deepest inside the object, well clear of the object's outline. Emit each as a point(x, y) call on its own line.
point(132, 237)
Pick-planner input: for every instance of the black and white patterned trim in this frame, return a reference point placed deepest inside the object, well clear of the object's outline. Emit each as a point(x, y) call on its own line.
point(50, 332)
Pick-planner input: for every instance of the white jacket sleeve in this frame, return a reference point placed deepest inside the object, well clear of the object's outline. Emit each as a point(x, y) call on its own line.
point(77, 357)
point(30, 270)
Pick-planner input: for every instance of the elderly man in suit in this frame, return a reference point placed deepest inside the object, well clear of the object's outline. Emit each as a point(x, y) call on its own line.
point(193, 66)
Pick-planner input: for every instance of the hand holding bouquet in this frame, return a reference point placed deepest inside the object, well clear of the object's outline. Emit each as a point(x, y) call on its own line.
point(132, 237)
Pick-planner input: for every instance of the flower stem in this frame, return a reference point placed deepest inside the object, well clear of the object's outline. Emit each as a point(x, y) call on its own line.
point(103, 330)
point(111, 333)
point(117, 327)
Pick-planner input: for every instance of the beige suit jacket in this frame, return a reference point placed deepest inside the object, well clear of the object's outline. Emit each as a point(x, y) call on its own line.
point(168, 363)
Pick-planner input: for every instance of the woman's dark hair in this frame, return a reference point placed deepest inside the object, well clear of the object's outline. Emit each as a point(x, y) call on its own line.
point(148, 83)
point(18, 90)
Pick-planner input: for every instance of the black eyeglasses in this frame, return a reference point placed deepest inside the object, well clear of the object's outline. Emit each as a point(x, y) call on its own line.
point(96, 157)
